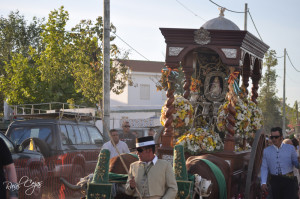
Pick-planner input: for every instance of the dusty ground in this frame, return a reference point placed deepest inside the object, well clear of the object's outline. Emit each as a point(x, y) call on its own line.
point(69, 196)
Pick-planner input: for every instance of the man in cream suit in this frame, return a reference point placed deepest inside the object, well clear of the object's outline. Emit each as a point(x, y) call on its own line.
point(152, 177)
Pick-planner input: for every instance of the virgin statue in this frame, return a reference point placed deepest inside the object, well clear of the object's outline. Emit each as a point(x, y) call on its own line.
point(215, 89)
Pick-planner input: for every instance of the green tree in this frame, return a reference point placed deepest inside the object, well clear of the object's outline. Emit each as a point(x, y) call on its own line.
point(21, 83)
point(67, 67)
point(16, 37)
point(54, 61)
point(292, 113)
point(268, 101)
point(87, 65)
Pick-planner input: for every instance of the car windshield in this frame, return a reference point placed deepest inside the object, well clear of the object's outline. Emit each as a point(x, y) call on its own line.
point(19, 134)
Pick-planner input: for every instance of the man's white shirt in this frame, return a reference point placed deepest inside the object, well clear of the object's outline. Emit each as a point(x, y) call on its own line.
point(122, 147)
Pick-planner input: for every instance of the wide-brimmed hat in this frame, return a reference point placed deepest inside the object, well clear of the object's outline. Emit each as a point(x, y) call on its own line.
point(144, 141)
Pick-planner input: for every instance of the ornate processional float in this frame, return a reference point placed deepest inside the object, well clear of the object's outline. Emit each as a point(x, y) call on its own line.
point(216, 114)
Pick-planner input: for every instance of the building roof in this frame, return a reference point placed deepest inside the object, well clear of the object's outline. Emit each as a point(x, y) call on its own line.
point(143, 66)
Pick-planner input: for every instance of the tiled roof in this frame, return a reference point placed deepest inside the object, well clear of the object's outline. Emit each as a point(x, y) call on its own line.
point(143, 66)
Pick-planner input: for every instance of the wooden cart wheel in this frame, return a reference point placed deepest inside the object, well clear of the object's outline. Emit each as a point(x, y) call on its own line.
point(252, 181)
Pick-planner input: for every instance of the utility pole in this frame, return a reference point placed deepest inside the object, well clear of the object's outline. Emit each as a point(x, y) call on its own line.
point(297, 119)
point(283, 106)
point(106, 71)
point(245, 18)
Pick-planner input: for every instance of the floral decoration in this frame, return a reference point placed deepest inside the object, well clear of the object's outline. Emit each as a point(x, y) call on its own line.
point(239, 148)
point(195, 85)
point(221, 119)
point(183, 115)
point(242, 118)
point(242, 144)
point(169, 75)
point(256, 116)
point(162, 84)
point(200, 140)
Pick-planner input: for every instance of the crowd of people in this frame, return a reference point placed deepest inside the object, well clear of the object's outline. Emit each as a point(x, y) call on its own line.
point(125, 141)
point(279, 170)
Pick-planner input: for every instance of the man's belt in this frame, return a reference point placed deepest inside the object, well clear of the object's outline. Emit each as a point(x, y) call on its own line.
point(287, 175)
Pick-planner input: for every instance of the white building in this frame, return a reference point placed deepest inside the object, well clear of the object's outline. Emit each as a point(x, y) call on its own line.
point(144, 75)
point(140, 103)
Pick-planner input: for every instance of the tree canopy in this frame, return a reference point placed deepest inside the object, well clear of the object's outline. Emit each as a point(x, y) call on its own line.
point(16, 38)
point(44, 62)
point(268, 101)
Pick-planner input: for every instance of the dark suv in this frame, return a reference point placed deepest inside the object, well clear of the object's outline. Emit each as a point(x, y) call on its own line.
point(70, 148)
point(30, 165)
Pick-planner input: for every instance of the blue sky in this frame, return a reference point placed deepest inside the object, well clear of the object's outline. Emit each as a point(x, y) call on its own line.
point(138, 23)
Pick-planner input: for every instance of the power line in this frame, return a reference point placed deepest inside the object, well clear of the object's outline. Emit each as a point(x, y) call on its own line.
point(239, 12)
point(225, 8)
point(190, 10)
point(130, 46)
point(254, 25)
point(77, 32)
point(292, 63)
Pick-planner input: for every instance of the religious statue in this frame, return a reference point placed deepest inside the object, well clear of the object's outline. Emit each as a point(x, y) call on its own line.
point(215, 88)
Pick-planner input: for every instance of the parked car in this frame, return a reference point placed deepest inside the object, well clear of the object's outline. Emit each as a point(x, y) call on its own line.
point(70, 148)
point(3, 125)
point(29, 165)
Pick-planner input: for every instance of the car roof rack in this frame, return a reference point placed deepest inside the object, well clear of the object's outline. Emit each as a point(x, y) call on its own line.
point(53, 110)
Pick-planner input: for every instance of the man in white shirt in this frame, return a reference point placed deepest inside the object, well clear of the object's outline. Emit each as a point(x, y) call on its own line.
point(121, 146)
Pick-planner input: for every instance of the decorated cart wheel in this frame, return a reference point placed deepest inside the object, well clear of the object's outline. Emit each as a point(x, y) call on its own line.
point(252, 182)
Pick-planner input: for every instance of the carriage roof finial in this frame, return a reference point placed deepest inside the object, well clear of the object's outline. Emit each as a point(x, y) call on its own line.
point(222, 10)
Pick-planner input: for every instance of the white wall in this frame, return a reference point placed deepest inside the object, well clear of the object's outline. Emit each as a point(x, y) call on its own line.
point(121, 99)
point(131, 94)
point(130, 105)
point(146, 79)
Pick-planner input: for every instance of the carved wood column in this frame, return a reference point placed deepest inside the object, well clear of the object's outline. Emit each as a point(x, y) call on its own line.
point(255, 81)
point(187, 82)
point(246, 72)
point(229, 142)
point(256, 76)
point(167, 137)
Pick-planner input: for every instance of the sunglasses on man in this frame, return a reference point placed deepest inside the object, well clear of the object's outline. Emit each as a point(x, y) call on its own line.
point(140, 150)
point(274, 136)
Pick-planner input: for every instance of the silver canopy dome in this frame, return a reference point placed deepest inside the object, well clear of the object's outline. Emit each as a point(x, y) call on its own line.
point(220, 23)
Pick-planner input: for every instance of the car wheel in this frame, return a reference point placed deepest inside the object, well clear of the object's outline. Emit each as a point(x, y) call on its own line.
point(36, 192)
point(77, 173)
point(41, 146)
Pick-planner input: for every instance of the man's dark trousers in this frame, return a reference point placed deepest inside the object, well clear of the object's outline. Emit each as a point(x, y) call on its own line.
point(284, 187)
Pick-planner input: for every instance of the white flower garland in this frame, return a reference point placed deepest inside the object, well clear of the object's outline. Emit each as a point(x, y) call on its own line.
point(256, 116)
point(200, 140)
point(183, 116)
point(242, 118)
